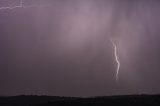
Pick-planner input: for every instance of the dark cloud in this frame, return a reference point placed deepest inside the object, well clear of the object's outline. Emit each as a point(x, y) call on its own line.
point(63, 47)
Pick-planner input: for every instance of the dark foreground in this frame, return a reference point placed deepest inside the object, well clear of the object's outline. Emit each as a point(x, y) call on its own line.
point(128, 100)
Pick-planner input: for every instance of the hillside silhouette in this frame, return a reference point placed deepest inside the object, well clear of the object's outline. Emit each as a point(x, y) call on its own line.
point(125, 100)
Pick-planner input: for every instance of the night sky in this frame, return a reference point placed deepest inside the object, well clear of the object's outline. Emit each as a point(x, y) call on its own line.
point(64, 48)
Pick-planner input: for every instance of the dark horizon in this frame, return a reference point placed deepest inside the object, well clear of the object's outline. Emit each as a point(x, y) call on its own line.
point(125, 100)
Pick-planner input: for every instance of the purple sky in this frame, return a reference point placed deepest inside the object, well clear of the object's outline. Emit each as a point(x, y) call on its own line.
point(63, 47)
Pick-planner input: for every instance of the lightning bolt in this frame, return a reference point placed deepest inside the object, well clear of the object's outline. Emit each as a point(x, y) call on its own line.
point(117, 60)
point(11, 8)
point(21, 5)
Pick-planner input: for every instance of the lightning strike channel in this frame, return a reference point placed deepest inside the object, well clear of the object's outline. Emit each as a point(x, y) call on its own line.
point(11, 8)
point(21, 5)
point(117, 60)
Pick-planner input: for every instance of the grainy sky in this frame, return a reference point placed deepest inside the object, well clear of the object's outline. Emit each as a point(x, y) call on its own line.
point(63, 47)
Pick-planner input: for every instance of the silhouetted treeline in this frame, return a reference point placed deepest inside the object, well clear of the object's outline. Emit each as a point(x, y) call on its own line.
point(126, 100)
point(31, 100)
